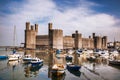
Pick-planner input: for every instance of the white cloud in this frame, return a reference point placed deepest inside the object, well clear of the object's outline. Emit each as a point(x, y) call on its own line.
point(81, 18)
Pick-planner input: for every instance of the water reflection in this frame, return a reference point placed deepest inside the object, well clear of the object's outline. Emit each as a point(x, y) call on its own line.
point(14, 65)
point(76, 73)
point(55, 59)
point(62, 77)
point(90, 70)
point(31, 71)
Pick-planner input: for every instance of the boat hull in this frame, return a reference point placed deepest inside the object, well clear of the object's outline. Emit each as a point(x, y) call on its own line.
point(113, 62)
point(12, 59)
point(3, 57)
point(68, 58)
point(57, 72)
point(73, 67)
point(37, 63)
point(27, 59)
point(58, 69)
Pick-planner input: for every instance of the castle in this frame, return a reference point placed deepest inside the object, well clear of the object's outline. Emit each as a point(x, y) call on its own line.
point(56, 40)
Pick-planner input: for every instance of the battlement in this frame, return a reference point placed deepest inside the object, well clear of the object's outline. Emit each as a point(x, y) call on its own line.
point(57, 30)
point(31, 27)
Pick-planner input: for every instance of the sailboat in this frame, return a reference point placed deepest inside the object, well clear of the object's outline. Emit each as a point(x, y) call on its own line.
point(14, 55)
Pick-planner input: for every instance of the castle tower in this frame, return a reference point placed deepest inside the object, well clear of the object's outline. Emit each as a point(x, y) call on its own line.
point(50, 25)
point(50, 35)
point(93, 35)
point(91, 42)
point(78, 40)
point(30, 36)
point(36, 28)
point(104, 42)
point(55, 37)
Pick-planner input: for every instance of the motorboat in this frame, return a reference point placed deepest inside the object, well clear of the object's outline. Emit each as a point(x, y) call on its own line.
point(14, 56)
point(27, 58)
point(36, 61)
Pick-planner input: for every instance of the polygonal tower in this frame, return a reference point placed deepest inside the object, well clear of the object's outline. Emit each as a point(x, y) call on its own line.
point(30, 36)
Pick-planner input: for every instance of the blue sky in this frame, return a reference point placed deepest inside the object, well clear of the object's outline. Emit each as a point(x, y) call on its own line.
point(86, 16)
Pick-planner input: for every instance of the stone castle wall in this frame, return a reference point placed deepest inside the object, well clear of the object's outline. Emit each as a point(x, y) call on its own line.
point(68, 42)
point(87, 43)
point(42, 41)
point(55, 39)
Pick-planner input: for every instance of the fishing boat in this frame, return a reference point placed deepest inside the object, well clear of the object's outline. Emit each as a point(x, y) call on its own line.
point(73, 67)
point(58, 69)
point(114, 62)
point(36, 61)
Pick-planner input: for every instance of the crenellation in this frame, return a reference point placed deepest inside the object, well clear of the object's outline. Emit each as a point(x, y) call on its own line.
point(32, 27)
point(36, 28)
point(27, 25)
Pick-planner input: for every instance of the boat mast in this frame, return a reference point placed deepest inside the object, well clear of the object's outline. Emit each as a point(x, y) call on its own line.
point(14, 36)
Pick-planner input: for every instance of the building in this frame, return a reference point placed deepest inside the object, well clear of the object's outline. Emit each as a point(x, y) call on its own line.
point(56, 40)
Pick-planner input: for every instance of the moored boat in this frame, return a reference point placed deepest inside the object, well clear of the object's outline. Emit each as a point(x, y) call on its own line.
point(13, 57)
point(2, 57)
point(114, 62)
point(91, 58)
point(36, 61)
point(73, 67)
point(58, 69)
point(27, 58)
point(69, 57)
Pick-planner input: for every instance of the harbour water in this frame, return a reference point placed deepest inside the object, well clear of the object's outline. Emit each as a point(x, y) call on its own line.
point(17, 70)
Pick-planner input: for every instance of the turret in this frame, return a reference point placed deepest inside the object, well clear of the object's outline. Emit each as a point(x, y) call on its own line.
point(27, 25)
point(76, 31)
point(32, 27)
point(50, 25)
point(36, 27)
point(93, 35)
point(89, 37)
